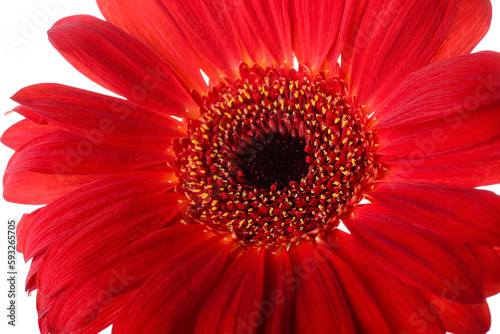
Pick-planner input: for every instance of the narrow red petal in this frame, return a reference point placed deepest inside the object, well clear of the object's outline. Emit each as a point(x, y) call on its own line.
point(22, 132)
point(22, 227)
point(99, 117)
point(176, 290)
point(470, 25)
point(254, 51)
point(206, 27)
point(233, 305)
point(104, 233)
point(489, 258)
point(383, 55)
point(321, 305)
point(458, 131)
point(417, 256)
point(31, 278)
point(369, 317)
point(35, 189)
point(123, 273)
point(456, 86)
point(118, 62)
point(463, 214)
point(71, 211)
point(150, 23)
point(270, 20)
point(459, 318)
point(278, 300)
point(469, 167)
point(63, 153)
point(315, 26)
point(398, 301)
point(332, 60)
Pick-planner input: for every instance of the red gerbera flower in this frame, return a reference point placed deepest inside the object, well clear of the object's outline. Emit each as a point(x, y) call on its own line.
point(225, 218)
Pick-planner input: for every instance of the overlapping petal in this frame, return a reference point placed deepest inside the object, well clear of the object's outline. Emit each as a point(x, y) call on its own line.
point(118, 62)
point(378, 55)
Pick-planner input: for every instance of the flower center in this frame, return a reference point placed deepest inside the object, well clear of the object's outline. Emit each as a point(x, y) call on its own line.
point(276, 156)
point(276, 160)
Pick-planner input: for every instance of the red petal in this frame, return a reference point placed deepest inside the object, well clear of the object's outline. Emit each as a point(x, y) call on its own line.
point(441, 135)
point(61, 153)
point(176, 290)
point(459, 318)
point(321, 306)
point(470, 25)
point(35, 189)
point(489, 258)
point(22, 226)
point(150, 23)
point(99, 117)
point(383, 55)
point(332, 59)
point(254, 52)
point(72, 210)
point(278, 300)
point(31, 278)
point(22, 132)
point(455, 86)
point(315, 26)
point(233, 305)
point(469, 167)
point(95, 291)
point(103, 234)
point(363, 305)
point(398, 301)
point(417, 256)
point(206, 27)
point(464, 214)
point(118, 62)
point(270, 20)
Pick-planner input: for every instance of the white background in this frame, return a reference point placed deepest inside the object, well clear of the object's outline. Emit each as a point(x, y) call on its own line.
point(31, 59)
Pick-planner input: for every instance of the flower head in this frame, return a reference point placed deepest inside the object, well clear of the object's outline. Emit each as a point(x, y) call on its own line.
point(193, 207)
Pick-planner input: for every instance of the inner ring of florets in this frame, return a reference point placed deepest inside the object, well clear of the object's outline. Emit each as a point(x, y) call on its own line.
point(276, 156)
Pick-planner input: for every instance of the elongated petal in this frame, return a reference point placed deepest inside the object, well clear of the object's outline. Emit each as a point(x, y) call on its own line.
point(70, 211)
point(464, 214)
point(278, 300)
point(120, 276)
point(31, 278)
point(417, 256)
point(150, 23)
point(315, 26)
point(459, 318)
point(474, 166)
point(206, 27)
point(22, 132)
point(184, 281)
point(99, 117)
point(254, 51)
point(270, 20)
point(118, 62)
point(60, 152)
point(26, 187)
point(471, 23)
point(383, 55)
point(489, 258)
point(459, 85)
point(367, 313)
point(235, 300)
point(104, 233)
point(418, 141)
point(398, 301)
point(321, 305)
